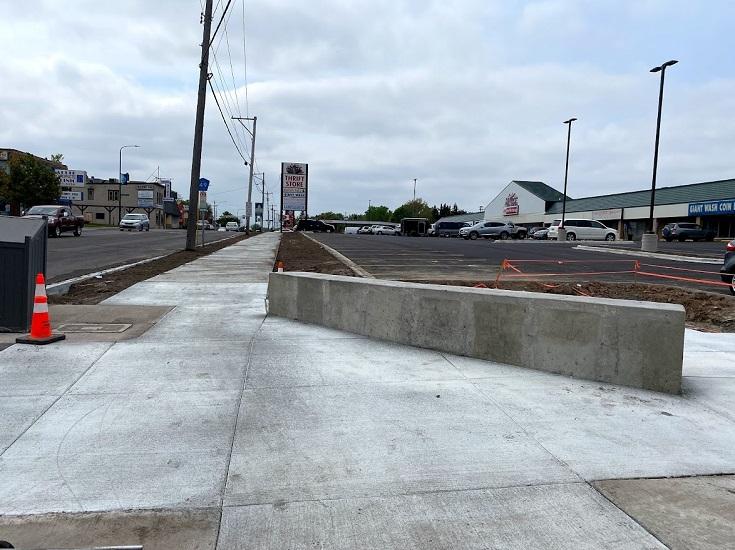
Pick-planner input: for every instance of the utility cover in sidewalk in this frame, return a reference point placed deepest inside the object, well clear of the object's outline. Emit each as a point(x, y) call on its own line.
point(94, 327)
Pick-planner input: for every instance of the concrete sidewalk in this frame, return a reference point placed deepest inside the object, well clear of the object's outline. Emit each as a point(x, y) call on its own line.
point(221, 427)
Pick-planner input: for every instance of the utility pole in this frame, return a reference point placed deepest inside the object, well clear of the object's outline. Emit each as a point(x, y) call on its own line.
point(196, 158)
point(252, 162)
point(414, 197)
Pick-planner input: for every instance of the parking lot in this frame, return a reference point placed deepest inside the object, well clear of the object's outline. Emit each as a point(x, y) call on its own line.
point(433, 258)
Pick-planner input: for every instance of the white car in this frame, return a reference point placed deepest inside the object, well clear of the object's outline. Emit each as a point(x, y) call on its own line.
point(384, 230)
point(583, 230)
point(231, 226)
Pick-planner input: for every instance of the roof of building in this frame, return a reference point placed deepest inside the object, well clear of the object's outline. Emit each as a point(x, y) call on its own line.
point(468, 217)
point(541, 190)
point(694, 192)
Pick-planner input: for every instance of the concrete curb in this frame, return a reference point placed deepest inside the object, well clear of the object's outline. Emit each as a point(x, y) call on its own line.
point(641, 254)
point(342, 258)
point(62, 287)
point(632, 343)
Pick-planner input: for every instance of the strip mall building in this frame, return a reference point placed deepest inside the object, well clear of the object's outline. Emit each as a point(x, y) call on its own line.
point(711, 204)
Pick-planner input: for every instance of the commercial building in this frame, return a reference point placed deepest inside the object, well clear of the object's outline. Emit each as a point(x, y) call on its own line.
point(711, 204)
point(99, 201)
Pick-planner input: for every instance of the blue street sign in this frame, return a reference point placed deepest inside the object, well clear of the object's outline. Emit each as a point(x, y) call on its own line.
point(203, 184)
point(125, 178)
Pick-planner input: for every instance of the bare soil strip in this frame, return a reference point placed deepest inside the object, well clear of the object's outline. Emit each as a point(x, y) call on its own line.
point(93, 291)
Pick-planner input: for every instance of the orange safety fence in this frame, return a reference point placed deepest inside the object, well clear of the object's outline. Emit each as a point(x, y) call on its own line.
point(628, 267)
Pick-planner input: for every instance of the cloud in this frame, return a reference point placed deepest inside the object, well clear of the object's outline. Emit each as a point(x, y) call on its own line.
point(463, 96)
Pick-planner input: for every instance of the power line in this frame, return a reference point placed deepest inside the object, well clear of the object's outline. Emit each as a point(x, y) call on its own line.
point(245, 61)
point(222, 89)
point(225, 121)
point(220, 22)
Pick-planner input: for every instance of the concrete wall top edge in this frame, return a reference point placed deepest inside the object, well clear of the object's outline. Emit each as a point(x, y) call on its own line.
point(497, 293)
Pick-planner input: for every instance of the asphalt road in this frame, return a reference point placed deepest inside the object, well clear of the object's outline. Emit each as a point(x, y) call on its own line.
point(99, 249)
point(406, 258)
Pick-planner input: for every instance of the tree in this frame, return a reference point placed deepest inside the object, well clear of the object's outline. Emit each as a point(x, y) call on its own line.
point(226, 217)
point(30, 182)
point(434, 214)
point(412, 209)
point(57, 157)
point(330, 216)
point(378, 214)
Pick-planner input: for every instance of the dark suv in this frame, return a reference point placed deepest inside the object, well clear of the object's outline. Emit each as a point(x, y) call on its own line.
point(684, 231)
point(728, 269)
point(449, 229)
point(314, 225)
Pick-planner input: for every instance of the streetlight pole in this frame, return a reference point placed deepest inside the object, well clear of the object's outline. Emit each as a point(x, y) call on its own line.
point(562, 232)
point(649, 242)
point(119, 192)
point(414, 197)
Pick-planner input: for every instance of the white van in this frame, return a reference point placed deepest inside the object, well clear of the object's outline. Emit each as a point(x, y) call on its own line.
point(583, 230)
point(351, 230)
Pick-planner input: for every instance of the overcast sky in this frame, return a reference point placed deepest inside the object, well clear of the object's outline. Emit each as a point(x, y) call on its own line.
point(462, 95)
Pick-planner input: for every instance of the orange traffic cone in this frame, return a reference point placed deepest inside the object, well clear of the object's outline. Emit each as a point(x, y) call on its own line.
point(279, 266)
point(40, 323)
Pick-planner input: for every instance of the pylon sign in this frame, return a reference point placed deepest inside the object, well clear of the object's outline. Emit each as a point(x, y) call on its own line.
point(203, 184)
point(294, 186)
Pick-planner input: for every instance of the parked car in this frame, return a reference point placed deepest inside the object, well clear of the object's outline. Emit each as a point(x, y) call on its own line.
point(493, 230)
point(314, 225)
point(449, 229)
point(59, 219)
point(684, 231)
point(432, 230)
point(364, 230)
point(728, 267)
point(384, 230)
point(587, 230)
point(540, 234)
point(231, 226)
point(135, 221)
point(351, 230)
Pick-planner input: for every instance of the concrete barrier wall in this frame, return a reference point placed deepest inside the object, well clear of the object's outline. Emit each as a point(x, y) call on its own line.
point(637, 344)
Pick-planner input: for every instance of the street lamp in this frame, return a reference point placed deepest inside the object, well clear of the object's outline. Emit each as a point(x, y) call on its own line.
point(119, 193)
point(562, 232)
point(649, 242)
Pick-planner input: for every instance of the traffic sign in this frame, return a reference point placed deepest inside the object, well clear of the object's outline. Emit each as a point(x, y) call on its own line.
point(203, 184)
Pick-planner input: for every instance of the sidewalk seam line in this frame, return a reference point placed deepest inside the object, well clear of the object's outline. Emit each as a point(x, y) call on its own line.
point(62, 394)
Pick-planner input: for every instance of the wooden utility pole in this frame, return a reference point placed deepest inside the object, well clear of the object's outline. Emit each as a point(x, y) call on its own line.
point(196, 159)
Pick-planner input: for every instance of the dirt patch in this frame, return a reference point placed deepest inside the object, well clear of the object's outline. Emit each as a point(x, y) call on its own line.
point(301, 254)
point(93, 291)
point(704, 310)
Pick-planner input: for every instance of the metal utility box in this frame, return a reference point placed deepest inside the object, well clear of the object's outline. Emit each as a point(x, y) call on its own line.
point(23, 245)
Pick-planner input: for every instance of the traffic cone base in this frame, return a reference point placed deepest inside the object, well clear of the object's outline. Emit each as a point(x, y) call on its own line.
point(40, 323)
point(28, 339)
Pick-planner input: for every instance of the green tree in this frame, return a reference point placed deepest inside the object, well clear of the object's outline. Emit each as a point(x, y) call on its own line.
point(330, 216)
point(30, 182)
point(57, 157)
point(226, 217)
point(412, 209)
point(378, 214)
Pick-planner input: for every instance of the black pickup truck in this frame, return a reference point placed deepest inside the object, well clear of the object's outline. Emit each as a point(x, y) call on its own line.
point(60, 219)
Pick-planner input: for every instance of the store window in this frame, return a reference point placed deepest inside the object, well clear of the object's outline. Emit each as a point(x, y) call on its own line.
point(99, 215)
point(90, 194)
point(112, 195)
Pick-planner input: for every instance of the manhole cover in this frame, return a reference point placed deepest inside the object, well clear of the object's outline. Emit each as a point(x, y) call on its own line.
point(94, 327)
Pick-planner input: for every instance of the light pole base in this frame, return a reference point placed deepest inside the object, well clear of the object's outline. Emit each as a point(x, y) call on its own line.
point(649, 242)
point(561, 234)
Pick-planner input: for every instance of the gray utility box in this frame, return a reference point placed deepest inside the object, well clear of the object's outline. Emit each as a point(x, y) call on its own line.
point(23, 245)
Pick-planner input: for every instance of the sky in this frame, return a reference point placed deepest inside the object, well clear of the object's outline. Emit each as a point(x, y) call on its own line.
point(464, 96)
